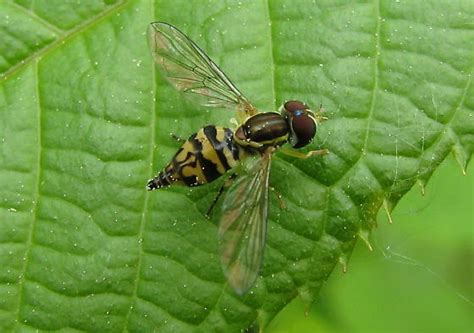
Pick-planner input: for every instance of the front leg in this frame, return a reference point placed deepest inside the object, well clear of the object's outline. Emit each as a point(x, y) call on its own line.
point(294, 153)
point(319, 114)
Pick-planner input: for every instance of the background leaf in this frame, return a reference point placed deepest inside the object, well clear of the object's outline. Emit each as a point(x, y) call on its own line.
point(85, 122)
point(422, 264)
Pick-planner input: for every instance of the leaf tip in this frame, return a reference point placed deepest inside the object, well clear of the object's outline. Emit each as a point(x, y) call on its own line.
point(343, 261)
point(364, 235)
point(422, 184)
point(461, 157)
point(307, 297)
point(263, 318)
point(306, 311)
point(388, 209)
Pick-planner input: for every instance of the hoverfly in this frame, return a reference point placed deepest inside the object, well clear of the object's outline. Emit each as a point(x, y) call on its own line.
point(213, 150)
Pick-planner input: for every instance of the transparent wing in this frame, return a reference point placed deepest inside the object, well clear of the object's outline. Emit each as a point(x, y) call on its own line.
point(190, 70)
point(243, 224)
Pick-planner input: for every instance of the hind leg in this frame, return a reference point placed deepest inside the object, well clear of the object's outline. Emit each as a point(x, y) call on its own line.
point(279, 197)
point(224, 186)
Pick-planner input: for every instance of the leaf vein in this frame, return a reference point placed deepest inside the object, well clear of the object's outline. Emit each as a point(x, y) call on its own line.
point(35, 17)
point(29, 241)
point(36, 56)
point(151, 154)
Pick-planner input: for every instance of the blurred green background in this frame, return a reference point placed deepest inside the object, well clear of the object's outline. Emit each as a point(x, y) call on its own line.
point(420, 276)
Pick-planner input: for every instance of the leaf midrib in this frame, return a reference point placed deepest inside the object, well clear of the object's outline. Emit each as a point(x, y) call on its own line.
point(34, 210)
point(151, 157)
point(272, 55)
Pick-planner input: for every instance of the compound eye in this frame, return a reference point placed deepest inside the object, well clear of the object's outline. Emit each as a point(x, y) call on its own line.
point(301, 121)
point(295, 107)
point(303, 129)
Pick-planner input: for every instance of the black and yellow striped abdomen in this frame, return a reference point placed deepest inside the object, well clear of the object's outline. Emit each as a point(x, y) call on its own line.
point(204, 157)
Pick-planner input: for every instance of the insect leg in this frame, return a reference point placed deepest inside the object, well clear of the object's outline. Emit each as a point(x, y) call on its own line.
point(235, 123)
point(319, 114)
point(177, 137)
point(279, 197)
point(294, 153)
point(224, 186)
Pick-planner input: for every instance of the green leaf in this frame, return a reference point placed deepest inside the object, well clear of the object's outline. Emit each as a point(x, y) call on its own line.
point(85, 121)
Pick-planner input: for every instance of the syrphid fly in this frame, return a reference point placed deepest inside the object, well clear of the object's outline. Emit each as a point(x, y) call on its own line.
point(214, 150)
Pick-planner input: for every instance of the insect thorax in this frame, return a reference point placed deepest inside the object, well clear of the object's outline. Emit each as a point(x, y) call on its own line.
point(263, 130)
